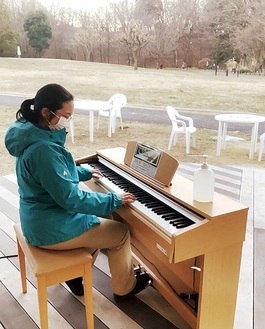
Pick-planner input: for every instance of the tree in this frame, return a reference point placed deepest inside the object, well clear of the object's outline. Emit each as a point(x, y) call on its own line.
point(8, 36)
point(249, 38)
point(131, 33)
point(38, 31)
point(86, 35)
point(221, 20)
point(151, 14)
point(63, 30)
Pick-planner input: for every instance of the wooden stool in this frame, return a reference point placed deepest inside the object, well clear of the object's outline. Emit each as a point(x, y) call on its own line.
point(51, 267)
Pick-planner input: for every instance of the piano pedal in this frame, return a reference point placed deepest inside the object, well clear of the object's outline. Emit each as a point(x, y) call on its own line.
point(191, 299)
point(137, 270)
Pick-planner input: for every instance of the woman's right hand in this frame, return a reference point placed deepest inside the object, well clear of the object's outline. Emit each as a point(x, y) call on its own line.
point(127, 198)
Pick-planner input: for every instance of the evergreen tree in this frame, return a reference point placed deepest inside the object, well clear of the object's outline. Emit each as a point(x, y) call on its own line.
point(38, 29)
point(8, 36)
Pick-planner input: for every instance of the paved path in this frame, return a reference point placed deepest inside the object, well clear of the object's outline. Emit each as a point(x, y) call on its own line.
point(154, 114)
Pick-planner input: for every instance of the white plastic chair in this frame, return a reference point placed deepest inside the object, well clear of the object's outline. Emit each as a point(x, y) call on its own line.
point(180, 125)
point(261, 145)
point(118, 101)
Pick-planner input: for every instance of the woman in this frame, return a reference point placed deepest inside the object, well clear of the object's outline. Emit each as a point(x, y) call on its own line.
point(54, 212)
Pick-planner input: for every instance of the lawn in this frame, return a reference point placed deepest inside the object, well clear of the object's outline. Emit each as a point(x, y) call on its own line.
point(197, 90)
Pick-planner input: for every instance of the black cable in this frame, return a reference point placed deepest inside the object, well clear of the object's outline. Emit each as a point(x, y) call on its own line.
point(10, 256)
point(1, 323)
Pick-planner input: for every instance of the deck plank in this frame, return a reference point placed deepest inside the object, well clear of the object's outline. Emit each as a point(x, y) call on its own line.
point(10, 277)
point(148, 309)
point(12, 315)
point(259, 287)
point(227, 179)
point(66, 310)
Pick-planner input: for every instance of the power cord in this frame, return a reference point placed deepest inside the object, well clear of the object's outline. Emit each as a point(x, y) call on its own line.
point(10, 256)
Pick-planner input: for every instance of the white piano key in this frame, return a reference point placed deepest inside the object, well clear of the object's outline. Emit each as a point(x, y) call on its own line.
point(156, 219)
point(139, 207)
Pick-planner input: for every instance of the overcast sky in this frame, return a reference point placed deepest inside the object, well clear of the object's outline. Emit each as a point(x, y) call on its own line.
point(78, 4)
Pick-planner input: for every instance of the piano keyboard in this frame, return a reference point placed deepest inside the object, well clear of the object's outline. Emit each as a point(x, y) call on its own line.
point(163, 212)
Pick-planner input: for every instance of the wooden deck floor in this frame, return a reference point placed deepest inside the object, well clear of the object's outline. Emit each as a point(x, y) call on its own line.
point(148, 309)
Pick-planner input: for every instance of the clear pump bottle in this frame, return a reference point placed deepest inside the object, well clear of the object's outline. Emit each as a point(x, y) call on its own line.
point(203, 185)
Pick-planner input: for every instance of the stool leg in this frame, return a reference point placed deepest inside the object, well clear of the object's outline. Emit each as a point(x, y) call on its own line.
point(42, 298)
point(22, 266)
point(88, 296)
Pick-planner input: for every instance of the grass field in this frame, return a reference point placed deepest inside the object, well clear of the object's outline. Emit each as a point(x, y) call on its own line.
point(199, 90)
point(196, 89)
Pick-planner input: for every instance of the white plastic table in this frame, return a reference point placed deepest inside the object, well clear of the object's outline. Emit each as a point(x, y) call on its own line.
point(93, 106)
point(224, 119)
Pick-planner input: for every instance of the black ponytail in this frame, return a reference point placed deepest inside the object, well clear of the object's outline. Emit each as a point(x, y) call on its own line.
point(26, 112)
point(51, 96)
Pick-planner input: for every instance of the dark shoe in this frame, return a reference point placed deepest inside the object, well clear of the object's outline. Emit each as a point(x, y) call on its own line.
point(142, 281)
point(76, 286)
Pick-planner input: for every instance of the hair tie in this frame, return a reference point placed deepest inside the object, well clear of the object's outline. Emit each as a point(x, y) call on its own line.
point(32, 101)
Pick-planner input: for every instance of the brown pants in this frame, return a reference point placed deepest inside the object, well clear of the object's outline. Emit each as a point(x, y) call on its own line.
point(115, 237)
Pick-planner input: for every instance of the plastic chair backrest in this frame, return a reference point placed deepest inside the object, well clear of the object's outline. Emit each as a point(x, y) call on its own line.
point(118, 101)
point(173, 113)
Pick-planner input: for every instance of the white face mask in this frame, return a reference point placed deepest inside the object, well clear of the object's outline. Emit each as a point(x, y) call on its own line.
point(62, 123)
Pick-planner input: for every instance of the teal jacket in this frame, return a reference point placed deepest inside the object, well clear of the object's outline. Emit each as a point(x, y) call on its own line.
point(53, 208)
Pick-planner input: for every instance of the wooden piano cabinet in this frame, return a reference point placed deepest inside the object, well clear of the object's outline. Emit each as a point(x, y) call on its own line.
point(170, 279)
point(219, 285)
point(215, 242)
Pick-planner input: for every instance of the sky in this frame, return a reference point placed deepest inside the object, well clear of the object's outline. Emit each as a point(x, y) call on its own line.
point(78, 4)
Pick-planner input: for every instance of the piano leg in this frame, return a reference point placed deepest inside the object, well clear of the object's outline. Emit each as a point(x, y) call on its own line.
point(219, 285)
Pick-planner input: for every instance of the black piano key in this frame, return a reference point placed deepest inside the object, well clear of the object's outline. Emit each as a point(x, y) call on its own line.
point(151, 204)
point(182, 225)
point(158, 210)
point(177, 221)
point(167, 211)
point(173, 216)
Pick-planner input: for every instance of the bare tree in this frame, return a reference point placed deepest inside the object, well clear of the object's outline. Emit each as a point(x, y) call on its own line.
point(220, 21)
point(181, 17)
point(86, 35)
point(130, 32)
point(249, 38)
point(151, 14)
point(62, 23)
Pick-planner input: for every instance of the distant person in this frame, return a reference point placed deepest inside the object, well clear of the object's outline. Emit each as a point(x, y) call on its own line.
point(54, 212)
point(18, 52)
point(161, 65)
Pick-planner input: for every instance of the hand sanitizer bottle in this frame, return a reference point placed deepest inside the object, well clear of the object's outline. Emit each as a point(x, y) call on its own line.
point(203, 185)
